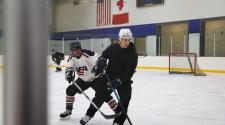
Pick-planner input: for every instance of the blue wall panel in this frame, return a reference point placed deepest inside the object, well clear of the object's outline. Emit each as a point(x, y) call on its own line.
point(137, 30)
point(194, 26)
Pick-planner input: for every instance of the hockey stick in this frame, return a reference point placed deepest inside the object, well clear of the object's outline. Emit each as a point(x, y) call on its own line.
point(118, 98)
point(104, 115)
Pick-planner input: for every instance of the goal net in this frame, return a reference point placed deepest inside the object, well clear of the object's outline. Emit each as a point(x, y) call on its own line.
point(184, 63)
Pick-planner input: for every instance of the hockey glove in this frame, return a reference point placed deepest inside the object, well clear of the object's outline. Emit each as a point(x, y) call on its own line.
point(114, 84)
point(62, 57)
point(100, 65)
point(70, 74)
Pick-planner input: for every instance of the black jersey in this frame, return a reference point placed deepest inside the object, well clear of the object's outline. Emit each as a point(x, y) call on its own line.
point(57, 56)
point(122, 62)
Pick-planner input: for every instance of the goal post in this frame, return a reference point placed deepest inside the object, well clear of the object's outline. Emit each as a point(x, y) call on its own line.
point(184, 63)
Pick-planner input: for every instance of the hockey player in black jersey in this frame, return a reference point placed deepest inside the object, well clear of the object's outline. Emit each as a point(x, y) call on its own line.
point(57, 57)
point(83, 62)
point(122, 61)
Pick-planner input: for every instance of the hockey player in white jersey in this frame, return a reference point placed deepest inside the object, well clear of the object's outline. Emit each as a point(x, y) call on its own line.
point(83, 62)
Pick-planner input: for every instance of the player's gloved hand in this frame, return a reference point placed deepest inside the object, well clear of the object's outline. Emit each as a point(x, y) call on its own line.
point(100, 65)
point(114, 84)
point(61, 57)
point(70, 74)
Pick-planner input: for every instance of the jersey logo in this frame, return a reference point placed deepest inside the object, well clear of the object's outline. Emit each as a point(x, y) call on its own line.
point(80, 70)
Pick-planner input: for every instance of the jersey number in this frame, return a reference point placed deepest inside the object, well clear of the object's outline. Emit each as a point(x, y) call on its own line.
point(80, 70)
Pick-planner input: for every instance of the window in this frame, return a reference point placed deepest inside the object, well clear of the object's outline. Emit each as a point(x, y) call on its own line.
point(141, 3)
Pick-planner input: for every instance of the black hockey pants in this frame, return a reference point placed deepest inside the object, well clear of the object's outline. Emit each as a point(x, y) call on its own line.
point(98, 85)
point(124, 92)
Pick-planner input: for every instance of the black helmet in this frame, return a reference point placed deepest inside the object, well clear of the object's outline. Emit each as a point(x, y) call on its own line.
point(75, 45)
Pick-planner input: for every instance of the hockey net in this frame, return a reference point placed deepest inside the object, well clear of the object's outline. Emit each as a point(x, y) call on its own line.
point(184, 63)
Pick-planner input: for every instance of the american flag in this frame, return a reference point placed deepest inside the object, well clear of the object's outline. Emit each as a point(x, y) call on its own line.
point(103, 12)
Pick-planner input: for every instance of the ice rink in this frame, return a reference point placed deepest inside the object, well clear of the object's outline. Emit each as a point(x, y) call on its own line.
point(157, 99)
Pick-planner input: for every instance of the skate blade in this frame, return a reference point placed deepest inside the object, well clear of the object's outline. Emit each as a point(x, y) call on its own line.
point(66, 118)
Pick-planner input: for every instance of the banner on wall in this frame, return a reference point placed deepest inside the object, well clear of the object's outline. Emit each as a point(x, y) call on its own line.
point(112, 11)
point(120, 14)
point(103, 12)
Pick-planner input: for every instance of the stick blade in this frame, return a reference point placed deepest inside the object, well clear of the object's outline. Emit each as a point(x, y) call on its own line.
point(112, 116)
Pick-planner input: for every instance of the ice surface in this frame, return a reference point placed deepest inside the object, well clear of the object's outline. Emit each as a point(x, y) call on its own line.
point(157, 99)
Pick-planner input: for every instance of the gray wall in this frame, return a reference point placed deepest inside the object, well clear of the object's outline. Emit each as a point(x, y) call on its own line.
point(174, 33)
point(69, 17)
point(140, 44)
point(215, 32)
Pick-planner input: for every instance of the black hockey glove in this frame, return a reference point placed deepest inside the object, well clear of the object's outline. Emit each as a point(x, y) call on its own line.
point(70, 74)
point(61, 57)
point(100, 65)
point(114, 84)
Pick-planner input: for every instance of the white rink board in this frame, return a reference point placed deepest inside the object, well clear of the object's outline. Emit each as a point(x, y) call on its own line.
point(209, 63)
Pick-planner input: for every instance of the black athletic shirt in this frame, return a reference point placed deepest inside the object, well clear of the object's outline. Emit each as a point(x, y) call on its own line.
point(122, 62)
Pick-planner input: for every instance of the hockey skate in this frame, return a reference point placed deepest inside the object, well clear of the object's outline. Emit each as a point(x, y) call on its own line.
point(58, 69)
point(84, 120)
point(66, 114)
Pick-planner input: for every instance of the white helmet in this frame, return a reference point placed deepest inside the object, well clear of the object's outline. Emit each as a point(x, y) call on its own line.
point(125, 33)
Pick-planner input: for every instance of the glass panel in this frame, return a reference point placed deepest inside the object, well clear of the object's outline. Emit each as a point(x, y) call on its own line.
point(55, 45)
point(194, 43)
point(97, 45)
point(151, 45)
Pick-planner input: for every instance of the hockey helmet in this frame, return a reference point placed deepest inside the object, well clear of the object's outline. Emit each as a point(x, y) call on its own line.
point(125, 33)
point(75, 45)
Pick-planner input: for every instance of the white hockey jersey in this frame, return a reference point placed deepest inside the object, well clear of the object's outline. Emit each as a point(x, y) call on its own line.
point(84, 65)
